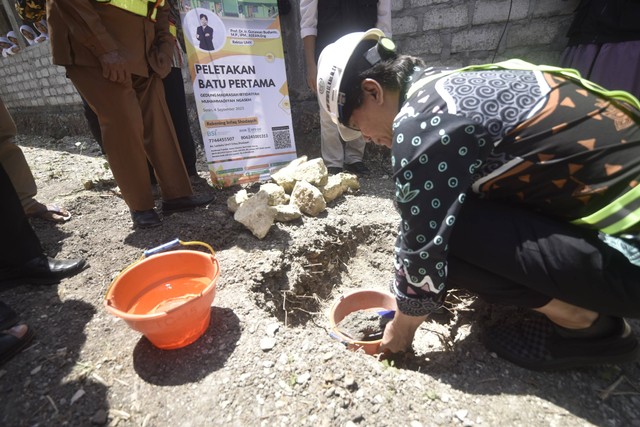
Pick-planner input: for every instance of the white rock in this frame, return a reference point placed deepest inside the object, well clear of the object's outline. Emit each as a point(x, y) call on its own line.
point(461, 414)
point(327, 356)
point(284, 177)
point(77, 395)
point(283, 359)
point(303, 378)
point(271, 329)
point(276, 193)
point(333, 189)
point(314, 172)
point(349, 181)
point(234, 202)
point(286, 213)
point(256, 214)
point(267, 343)
point(308, 198)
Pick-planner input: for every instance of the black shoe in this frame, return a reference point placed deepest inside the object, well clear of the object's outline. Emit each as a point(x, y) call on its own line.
point(41, 271)
point(197, 180)
point(334, 170)
point(145, 219)
point(10, 345)
point(358, 168)
point(8, 317)
point(186, 203)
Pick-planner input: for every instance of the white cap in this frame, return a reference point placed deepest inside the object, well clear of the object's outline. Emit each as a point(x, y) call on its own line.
point(331, 67)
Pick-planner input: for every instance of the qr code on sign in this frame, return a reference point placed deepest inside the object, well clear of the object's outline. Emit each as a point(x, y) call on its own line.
point(281, 137)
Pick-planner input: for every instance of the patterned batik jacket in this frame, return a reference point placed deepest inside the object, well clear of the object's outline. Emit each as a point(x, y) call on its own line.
point(531, 138)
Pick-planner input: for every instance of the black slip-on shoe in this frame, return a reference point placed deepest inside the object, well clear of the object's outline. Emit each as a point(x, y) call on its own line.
point(10, 345)
point(145, 219)
point(334, 170)
point(8, 317)
point(42, 270)
point(534, 343)
point(186, 203)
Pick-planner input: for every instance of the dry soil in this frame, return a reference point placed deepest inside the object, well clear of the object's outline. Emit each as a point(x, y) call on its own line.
point(88, 367)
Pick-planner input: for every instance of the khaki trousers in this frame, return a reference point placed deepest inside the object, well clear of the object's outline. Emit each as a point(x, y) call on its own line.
point(136, 125)
point(13, 161)
point(335, 152)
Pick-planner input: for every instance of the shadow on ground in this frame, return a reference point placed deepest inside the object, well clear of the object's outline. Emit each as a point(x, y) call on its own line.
point(57, 378)
point(193, 362)
point(593, 394)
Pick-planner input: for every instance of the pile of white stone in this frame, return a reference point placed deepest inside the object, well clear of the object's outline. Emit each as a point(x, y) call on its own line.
point(302, 187)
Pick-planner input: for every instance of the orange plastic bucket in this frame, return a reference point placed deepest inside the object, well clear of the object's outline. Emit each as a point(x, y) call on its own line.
point(366, 299)
point(167, 296)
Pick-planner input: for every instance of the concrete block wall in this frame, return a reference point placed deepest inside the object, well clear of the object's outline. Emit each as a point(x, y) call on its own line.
point(38, 95)
point(461, 32)
point(443, 32)
point(452, 33)
point(30, 80)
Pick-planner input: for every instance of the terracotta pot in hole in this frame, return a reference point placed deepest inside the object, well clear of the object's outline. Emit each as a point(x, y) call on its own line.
point(364, 299)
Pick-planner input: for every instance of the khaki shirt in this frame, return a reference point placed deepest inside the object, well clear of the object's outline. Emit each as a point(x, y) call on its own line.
point(82, 30)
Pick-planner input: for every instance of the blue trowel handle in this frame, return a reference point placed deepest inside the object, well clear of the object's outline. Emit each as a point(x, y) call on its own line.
point(387, 314)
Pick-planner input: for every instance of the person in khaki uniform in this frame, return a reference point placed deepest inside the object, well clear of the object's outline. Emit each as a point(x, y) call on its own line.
point(116, 59)
point(14, 163)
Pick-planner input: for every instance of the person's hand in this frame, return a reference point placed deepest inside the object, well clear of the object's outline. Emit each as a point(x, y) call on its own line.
point(114, 67)
point(312, 73)
point(398, 334)
point(162, 58)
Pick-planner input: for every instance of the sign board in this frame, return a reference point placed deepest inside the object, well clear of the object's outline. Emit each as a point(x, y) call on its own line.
point(236, 61)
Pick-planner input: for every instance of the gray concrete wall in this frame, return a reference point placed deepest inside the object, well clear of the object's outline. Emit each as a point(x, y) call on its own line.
point(444, 32)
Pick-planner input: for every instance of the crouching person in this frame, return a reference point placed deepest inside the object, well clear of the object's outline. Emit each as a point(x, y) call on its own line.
point(515, 181)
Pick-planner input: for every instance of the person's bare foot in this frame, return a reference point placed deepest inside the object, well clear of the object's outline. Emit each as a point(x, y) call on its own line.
point(51, 213)
point(18, 331)
point(568, 315)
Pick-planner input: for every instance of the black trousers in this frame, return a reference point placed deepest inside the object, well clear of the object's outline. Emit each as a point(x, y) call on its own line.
point(177, 103)
point(512, 256)
point(19, 242)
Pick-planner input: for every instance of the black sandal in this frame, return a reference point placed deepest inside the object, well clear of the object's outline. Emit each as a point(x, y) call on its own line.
point(535, 343)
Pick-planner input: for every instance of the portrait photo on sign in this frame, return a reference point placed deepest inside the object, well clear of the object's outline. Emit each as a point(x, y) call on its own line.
point(206, 31)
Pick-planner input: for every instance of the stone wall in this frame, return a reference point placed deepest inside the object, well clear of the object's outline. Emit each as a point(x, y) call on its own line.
point(444, 32)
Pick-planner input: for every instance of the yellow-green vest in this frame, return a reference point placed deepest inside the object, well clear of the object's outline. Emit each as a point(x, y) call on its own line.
point(146, 8)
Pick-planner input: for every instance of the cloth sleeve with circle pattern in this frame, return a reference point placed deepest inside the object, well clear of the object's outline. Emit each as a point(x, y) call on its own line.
point(434, 157)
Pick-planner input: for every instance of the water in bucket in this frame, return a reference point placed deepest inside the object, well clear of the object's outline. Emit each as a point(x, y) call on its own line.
point(165, 296)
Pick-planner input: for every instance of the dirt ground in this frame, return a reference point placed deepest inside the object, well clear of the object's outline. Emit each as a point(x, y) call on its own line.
point(87, 367)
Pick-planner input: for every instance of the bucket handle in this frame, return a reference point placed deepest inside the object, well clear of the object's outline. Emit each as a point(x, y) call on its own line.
point(161, 248)
point(173, 244)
